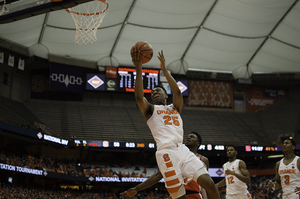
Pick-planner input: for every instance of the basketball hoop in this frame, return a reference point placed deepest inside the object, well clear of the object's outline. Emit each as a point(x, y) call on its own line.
point(88, 17)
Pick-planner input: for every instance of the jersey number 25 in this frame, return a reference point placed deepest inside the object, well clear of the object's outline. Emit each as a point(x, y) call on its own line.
point(171, 120)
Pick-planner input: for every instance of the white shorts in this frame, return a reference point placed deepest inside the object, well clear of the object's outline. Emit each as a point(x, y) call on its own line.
point(178, 166)
point(291, 196)
point(245, 195)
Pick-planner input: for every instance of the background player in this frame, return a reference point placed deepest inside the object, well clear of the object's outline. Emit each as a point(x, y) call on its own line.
point(193, 141)
point(166, 127)
point(236, 176)
point(288, 171)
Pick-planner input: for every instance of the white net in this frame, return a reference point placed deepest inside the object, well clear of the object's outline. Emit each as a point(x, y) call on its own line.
point(88, 17)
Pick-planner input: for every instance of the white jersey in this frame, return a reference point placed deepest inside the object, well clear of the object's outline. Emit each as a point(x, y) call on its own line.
point(289, 176)
point(233, 184)
point(166, 126)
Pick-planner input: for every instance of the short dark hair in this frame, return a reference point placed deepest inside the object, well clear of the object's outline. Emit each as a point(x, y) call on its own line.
point(159, 86)
point(198, 136)
point(292, 141)
point(231, 145)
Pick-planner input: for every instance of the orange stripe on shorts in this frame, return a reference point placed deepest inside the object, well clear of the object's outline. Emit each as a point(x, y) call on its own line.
point(173, 190)
point(169, 164)
point(170, 173)
point(172, 182)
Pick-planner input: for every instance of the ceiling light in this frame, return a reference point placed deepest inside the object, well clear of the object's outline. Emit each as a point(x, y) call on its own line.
point(211, 71)
point(275, 156)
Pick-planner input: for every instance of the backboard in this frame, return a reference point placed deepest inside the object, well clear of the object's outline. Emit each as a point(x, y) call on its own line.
point(13, 10)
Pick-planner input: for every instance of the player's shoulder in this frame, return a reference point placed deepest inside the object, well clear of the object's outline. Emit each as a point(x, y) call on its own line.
point(225, 164)
point(204, 157)
point(278, 162)
point(205, 160)
point(240, 161)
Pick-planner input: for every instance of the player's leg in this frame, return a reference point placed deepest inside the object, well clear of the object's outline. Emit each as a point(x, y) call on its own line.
point(204, 180)
point(180, 194)
point(194, 169)
point(168, 162)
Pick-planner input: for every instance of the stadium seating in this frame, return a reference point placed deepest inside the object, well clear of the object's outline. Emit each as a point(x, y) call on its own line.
point(90, 121)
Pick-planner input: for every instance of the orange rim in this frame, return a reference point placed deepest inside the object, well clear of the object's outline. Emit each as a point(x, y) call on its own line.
point(97, 13)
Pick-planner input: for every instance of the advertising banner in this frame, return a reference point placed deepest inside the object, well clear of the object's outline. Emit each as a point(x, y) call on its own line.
point(40, 88)
point(66, 78)
point(95, 82)
point(262, 96)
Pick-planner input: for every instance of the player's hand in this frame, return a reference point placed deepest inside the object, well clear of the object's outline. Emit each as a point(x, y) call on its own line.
point(229, 172)
point(161, 59)
point(271, 185)
point(136, 59)
point(297, 190)
point(130, 193)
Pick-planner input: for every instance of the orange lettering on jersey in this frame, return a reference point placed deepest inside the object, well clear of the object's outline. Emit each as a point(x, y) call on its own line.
point(284, 171)
point(166, 112)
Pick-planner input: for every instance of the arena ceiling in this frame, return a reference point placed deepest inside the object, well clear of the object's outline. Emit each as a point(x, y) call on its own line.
point(241, 37)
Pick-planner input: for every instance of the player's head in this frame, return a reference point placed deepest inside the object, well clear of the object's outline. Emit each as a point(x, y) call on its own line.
point(159, 95)
point(193, 139)
point(231, 152)
point(288, 145)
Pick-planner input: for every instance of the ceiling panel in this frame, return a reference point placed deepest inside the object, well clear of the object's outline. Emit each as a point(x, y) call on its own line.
point(247, 18)
point(289, 29)
point(61, 42)
point(215, 51)
point(276, 57)
point(233, 31)
point(170, 13)
point(25, 32)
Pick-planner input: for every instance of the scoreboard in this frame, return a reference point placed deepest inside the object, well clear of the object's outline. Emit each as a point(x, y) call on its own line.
point(127, 76)
point(122, 79)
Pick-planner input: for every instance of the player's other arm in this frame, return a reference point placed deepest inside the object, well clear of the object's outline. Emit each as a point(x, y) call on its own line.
point(245, 177)
point(152, 180)
point(222, 183)
point(277, 183)
point(298, 164)
point(177, 96)
point(277, 177)
point(297, 189)
point(205, 161)
point(141, 101)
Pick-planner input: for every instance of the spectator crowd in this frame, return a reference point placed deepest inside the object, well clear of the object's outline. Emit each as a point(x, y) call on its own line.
point(258, 187)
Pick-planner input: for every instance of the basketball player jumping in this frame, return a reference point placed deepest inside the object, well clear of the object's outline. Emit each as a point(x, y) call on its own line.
point(166, 127)
point(288, 172)
point(193, 190)
point(236, 176)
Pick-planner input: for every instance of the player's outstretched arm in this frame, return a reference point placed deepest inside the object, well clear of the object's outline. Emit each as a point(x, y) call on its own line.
point(177, 96)
point(222, 183)
point(141, 101)
point(152, 180)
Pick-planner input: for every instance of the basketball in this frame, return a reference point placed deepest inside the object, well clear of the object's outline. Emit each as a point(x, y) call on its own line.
point(144, 48)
